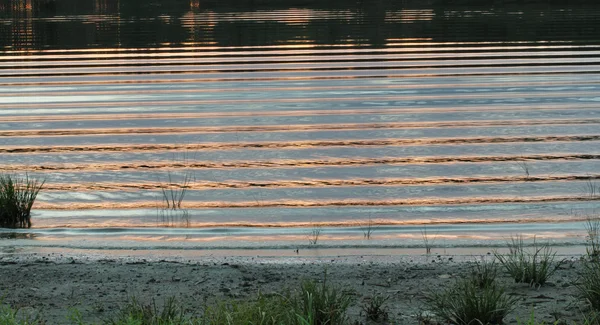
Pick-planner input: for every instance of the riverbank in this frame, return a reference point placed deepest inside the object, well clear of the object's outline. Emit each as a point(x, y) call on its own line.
point(53, 286)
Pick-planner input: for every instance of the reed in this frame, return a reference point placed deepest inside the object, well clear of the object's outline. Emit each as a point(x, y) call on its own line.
point(17, 195)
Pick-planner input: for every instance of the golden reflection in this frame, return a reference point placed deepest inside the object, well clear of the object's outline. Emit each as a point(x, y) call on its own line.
point(22, 33)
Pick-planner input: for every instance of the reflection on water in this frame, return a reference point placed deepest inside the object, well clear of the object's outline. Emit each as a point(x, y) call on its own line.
point(287, 116)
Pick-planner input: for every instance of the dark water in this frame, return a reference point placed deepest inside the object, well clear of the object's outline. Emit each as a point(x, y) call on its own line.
point(278, 120)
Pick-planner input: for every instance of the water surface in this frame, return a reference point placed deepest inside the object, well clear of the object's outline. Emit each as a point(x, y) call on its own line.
point(278, 120)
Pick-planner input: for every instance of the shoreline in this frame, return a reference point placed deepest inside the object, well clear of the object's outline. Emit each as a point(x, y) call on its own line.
point(53, 285)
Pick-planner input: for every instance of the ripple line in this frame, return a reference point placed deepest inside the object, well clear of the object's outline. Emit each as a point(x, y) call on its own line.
point(310, 203)
point(294, 145)
point(290, 163)
point(288, 128)
point(108, 186)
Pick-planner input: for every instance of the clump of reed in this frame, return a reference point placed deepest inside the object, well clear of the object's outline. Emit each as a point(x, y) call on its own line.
point(533, 266)
point(17, 195)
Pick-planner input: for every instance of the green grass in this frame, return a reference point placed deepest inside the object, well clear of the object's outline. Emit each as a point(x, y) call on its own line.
point(10, 316)
point(320, 304)
point(265, 310)
point(17, 195)
point(532, 266)
point(137, 313)
point(465, 303)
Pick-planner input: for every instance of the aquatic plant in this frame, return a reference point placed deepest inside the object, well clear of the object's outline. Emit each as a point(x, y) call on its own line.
point(173, 194)
point(533, 266)
point(17, 195)
point(427, 242)
point(313, 236)
point(368, 229)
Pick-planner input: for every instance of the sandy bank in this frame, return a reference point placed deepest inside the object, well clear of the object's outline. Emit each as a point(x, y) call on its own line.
point(53, 285)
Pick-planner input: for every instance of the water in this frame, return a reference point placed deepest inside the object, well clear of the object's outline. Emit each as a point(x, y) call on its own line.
point(282, 120)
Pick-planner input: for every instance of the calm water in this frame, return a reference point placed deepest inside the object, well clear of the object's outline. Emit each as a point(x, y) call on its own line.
point(281, 120)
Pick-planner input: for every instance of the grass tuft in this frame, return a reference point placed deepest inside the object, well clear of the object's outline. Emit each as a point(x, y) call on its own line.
point(484, 273)
point(592, 227)
point(375, 310)
point(589, 284)
point(10, 316)
point(533, 266)
point(466, 303)
point(320, 304)
point(17, 195)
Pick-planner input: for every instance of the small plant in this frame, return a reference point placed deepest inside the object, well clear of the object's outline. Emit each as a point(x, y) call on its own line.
point(17, 195)
point(375, 310)
point(427, 242)
point(533, 267)
point(465, 303)
point(484, 273)
point(313, 236)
